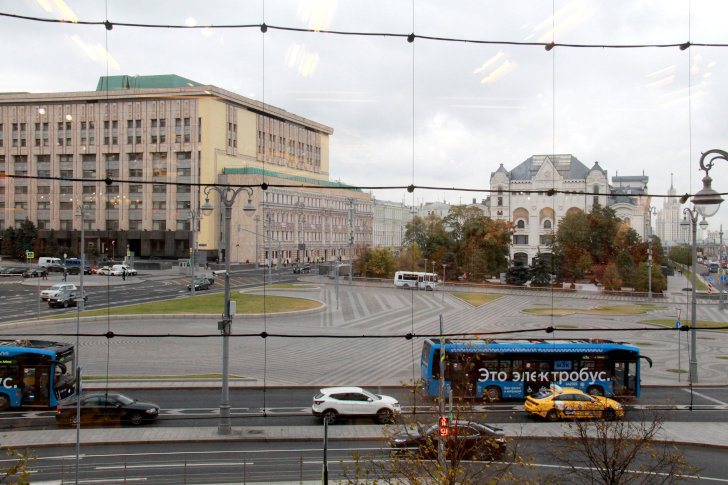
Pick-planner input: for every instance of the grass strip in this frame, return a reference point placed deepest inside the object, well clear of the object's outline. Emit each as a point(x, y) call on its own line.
point(698, 282)
point(602, 310)
point(193, 376)
point(286, 286)
point(206, 304)
point(476, 299)
point(704, 324)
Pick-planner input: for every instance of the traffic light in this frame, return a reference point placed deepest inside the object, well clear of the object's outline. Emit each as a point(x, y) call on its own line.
point(444, 429)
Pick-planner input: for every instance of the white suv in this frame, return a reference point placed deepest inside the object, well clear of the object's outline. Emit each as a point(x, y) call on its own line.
point(54, 290)
point(333, 402)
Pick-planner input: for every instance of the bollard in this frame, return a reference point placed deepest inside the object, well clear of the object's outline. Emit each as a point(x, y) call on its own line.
point(301, 477)
point(185, 471)
point(245, 468)
point(63, 468)
point(125, 458)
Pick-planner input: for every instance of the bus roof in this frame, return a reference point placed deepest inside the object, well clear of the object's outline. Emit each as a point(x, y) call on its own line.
point(532, 345)
point(15, 347)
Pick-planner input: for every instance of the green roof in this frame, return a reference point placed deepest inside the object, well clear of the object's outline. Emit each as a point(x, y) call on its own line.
point(114, 83)
point(296, 178)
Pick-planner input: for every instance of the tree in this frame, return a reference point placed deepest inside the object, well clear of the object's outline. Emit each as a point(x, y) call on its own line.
point(611, 279)
point(626, 266)
point(619, 452)
point(451, 271)
point(658, 252)
point(682, 254)
point(642, 282)
point(9, 246)
point(540, 273)
point(380, 263)
point(19, 466)
point(26, 236)
point(517, 274)
point(360, 263)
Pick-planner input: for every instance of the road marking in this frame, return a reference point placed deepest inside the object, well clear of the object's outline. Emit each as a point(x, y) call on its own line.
point(637, 472)
point(173, 465)
point(212, 452)
point(706, 397)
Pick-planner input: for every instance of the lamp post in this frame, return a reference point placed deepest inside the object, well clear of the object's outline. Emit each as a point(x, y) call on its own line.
point(80, 212)
point(707, 202)
point(351, 239)
point(650, 211)
point(256, 218)
point(270, 258)
point(227, 197)
point(721, 271)
point(443, 281)
point(195, 216)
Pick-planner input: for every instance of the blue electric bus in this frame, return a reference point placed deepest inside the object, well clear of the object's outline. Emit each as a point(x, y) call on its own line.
point(495, 369)
point(35, 373)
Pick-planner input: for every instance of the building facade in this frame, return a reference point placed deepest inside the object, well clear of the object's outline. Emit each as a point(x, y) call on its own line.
point(142, 130)
point(390, 219)
point(667, 223)
point(521, 196)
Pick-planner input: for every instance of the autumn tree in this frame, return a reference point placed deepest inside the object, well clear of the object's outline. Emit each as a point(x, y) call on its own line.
point(380, 264)
point(641, 280)
point(612, 279)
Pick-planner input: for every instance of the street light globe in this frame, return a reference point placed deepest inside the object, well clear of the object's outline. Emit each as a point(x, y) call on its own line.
point(685, 222)
point(707, 201)
point(249, 209)
point(703, 224)
point(207, 208)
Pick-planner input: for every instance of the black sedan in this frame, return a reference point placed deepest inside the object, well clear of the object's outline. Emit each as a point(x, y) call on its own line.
point(105, 408)
point(66, 298)
point(202, 284)
point(55, 268)
point(34, 273)
point(14, 271)
point(465, 439)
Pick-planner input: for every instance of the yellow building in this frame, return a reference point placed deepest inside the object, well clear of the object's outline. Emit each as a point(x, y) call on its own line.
point(146, 129)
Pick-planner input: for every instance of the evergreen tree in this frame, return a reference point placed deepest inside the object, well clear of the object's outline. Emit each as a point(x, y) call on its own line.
point(26, 236)
point(626, 266)
point(517, 274)
point(9, 246)
point(540, 273)
point(642, 282)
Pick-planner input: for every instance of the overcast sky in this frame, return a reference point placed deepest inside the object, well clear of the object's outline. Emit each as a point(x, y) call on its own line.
point(436, 113)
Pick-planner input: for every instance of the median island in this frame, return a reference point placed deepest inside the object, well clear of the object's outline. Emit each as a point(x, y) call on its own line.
point(208, 304)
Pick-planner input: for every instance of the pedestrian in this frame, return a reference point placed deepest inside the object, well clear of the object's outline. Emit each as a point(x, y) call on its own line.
point(65, 274)
point(207, 266)
point(123, 274)
point(45, 274)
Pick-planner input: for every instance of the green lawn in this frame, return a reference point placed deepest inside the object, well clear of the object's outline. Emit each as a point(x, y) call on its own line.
point(602, 310)
point(699, 284)
point(700, 323)
point(476, 299)
point(209, 304)
point(194, 376)
point(286, 286)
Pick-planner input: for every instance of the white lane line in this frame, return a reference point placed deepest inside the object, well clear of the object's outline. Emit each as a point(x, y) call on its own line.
point(707, 397)
point(173, 465)
point(636, 472)
point(162, 453)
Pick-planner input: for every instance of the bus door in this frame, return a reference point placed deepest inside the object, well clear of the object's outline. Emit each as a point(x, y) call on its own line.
point(625, 378)
point(36, 386)
point(463, 376)
point(420, 282)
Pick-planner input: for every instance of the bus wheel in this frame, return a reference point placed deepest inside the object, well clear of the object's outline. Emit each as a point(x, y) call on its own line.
point(406, 286)
point(553, 415)
point(493, 393)
point(4, 402)
point(595, 391)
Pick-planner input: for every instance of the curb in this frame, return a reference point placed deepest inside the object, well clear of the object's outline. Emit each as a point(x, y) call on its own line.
point(173, 316)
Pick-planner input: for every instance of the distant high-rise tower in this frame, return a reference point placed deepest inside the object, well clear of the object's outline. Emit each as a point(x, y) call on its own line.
point(668, 218)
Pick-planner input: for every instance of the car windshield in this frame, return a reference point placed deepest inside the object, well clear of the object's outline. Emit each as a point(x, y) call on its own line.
point(543, 394)
point(369, 394)
point(64, 293)
point(56, 287)
point(124, 400)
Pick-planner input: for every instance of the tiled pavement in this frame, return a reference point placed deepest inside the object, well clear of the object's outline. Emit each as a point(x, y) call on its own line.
point(708, 434)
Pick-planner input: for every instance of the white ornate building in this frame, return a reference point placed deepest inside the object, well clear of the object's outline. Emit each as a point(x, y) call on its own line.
point(390, 219)
point(667, 224)
point(520, 196)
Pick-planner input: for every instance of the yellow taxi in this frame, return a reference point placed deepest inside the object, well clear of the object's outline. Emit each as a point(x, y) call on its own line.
point(560, 403)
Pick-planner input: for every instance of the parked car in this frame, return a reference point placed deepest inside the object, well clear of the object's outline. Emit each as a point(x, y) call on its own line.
point(55, 268)
point(34, 273)
point(55, 289)
point(121, 267)
point(560, 403)
point(14, 271)
point(201, 284)
point(465, 439)
point(105, 270)
point(66, 298)
point(73, 269)
point(302, 268)
point(42, 262)
point(208, 277)
point(104, 408)
point(333, 402)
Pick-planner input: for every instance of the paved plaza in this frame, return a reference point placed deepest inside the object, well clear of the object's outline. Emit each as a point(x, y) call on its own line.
point(323, 360)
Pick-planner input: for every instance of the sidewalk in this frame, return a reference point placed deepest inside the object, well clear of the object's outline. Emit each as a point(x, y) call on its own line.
point(685, 433)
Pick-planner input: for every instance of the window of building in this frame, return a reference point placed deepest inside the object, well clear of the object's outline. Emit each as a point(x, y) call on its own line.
point(66, 225)
point(89, 174)
point(183, 225)
point(44, 173)
point(83, 132)
point(69, 134)
point(129, 132)
point(184, 189)
point(44, 189)
point(162, 131)
point(520, 239)
point(112, 189)
point(65, 158)
point(112, 172)
point(184, 155)
point(546, 239)
point(89, 225)
point(159, 189)
point(89, 189)
point(199, 130)
point(114, 132)
point(500, 201)
point(187, 130)
point(136, 157)
point(178, 130)
point(112, 204)
point(159, 226)
point(66, 206)
point(1, 134)
point(159, 205)
point(2, 206)
point(61, 136)
point(112, 225)
point(135, 189)
point(136, 172)
point(65, 189)
point(183, 172)
point(21, 205)
point(21, 189)
point(2, 190)
point(44, 205)
point(547, 224)
point(135, 225)
point(159, 172)
point(88, 158)
point(91, 133)
point(138, 133)
point(183, 204)
point(136, 204)
point(112, 157)
point(521, 224)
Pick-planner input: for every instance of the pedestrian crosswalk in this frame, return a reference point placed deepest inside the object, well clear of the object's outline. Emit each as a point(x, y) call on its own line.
point(234, 281)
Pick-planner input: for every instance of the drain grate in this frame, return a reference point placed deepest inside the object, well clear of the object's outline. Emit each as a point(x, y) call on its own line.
point(255, 431)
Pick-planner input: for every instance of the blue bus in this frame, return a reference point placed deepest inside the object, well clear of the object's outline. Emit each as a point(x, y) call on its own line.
point(495, 369)
point(35, 373)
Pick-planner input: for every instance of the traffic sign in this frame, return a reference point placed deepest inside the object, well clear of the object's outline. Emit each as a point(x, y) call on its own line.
point(723, 278)
point(29, 254)
point(710, 278)
point(678, 325)
point(128, 254)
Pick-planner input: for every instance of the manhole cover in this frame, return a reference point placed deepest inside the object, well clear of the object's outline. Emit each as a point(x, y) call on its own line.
point(255, 431)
